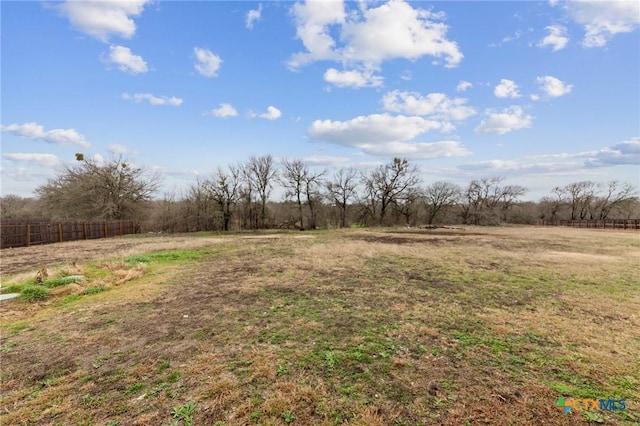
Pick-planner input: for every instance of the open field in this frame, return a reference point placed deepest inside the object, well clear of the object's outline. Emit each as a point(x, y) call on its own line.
point(364, 327)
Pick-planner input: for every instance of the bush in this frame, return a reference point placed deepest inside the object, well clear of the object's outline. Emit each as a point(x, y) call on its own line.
point(31, 293)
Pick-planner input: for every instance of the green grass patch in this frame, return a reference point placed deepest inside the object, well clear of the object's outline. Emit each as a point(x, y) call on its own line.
point(68, 300)
point(19, 326)
point(63, 280)
point(14, 288)
point(33, 293)
point(134, 388)
point(578, 390)
point(168, 256)
point(95, 290)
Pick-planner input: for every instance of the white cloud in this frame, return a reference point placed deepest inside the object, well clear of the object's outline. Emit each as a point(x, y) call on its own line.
point(506, 89)
point(463, 85)
point(557, 38)
point(152, 99)
point(116, 148)
point(507, 120)
point(553, 87)
point(406, 75)
point(253, 16)
point(434, 105)
point(207, 62)
point(272, 113)
point(355, 79)
point(47, 160)
point(126, 60)
point(417, 150)
point(624, 153)
point(225, 110)
point(102, 19)
point(99, 159)
point(508, 39)
point(603, 19)
point(35, 131)
point(370, 35)
point(385, 135)
point(380, 134)
point(313, 19)
point(325, 160)
point(512, 167)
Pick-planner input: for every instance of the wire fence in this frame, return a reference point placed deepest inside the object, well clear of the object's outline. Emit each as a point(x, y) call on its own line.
point(34, 233)
point(597, 224)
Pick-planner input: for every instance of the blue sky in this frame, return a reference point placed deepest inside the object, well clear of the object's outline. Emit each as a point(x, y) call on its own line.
point(541, 93)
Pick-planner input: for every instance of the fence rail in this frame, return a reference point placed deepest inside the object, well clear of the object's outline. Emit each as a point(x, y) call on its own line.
point(28, 234)
point(599, 224)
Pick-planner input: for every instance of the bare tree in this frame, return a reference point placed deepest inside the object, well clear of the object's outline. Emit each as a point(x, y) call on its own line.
point(293, 180)
point(312, 184)
point(341, 189)
point(225, 188)
point(16, 207)
point(580, 196)
point(406, 204)
point(484, 196)
point(200, 207)
point(389, 181)
point(509, 195)
point(261, 173)
point(438, 196)
point(113, 190)
point(615, 194)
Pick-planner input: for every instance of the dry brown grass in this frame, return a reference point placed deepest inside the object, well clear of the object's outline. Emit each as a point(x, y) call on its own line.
point(447, 327)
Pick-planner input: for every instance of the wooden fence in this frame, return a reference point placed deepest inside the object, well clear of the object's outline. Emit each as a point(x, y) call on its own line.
point(599, 224)
point(31, 233)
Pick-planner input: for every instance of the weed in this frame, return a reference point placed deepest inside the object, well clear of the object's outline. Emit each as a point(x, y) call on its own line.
point(331, 358)
point(33, 293)
point(134, 388)
point(174, 377)
point(594, 417)
point(6, 348)
point(91, 401)
point(288, 417)
point(164, 365)
point(282, 370)
point(255, 416)
point(184, 413)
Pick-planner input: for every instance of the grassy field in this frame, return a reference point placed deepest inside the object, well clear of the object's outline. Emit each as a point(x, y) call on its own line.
point(365, 327)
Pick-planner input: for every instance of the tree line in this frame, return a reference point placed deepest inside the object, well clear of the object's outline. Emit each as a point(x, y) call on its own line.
point(240, 196)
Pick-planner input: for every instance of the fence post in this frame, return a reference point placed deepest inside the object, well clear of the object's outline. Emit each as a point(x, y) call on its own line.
point(60, 232)
point(105, 229)
point(28, 236)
